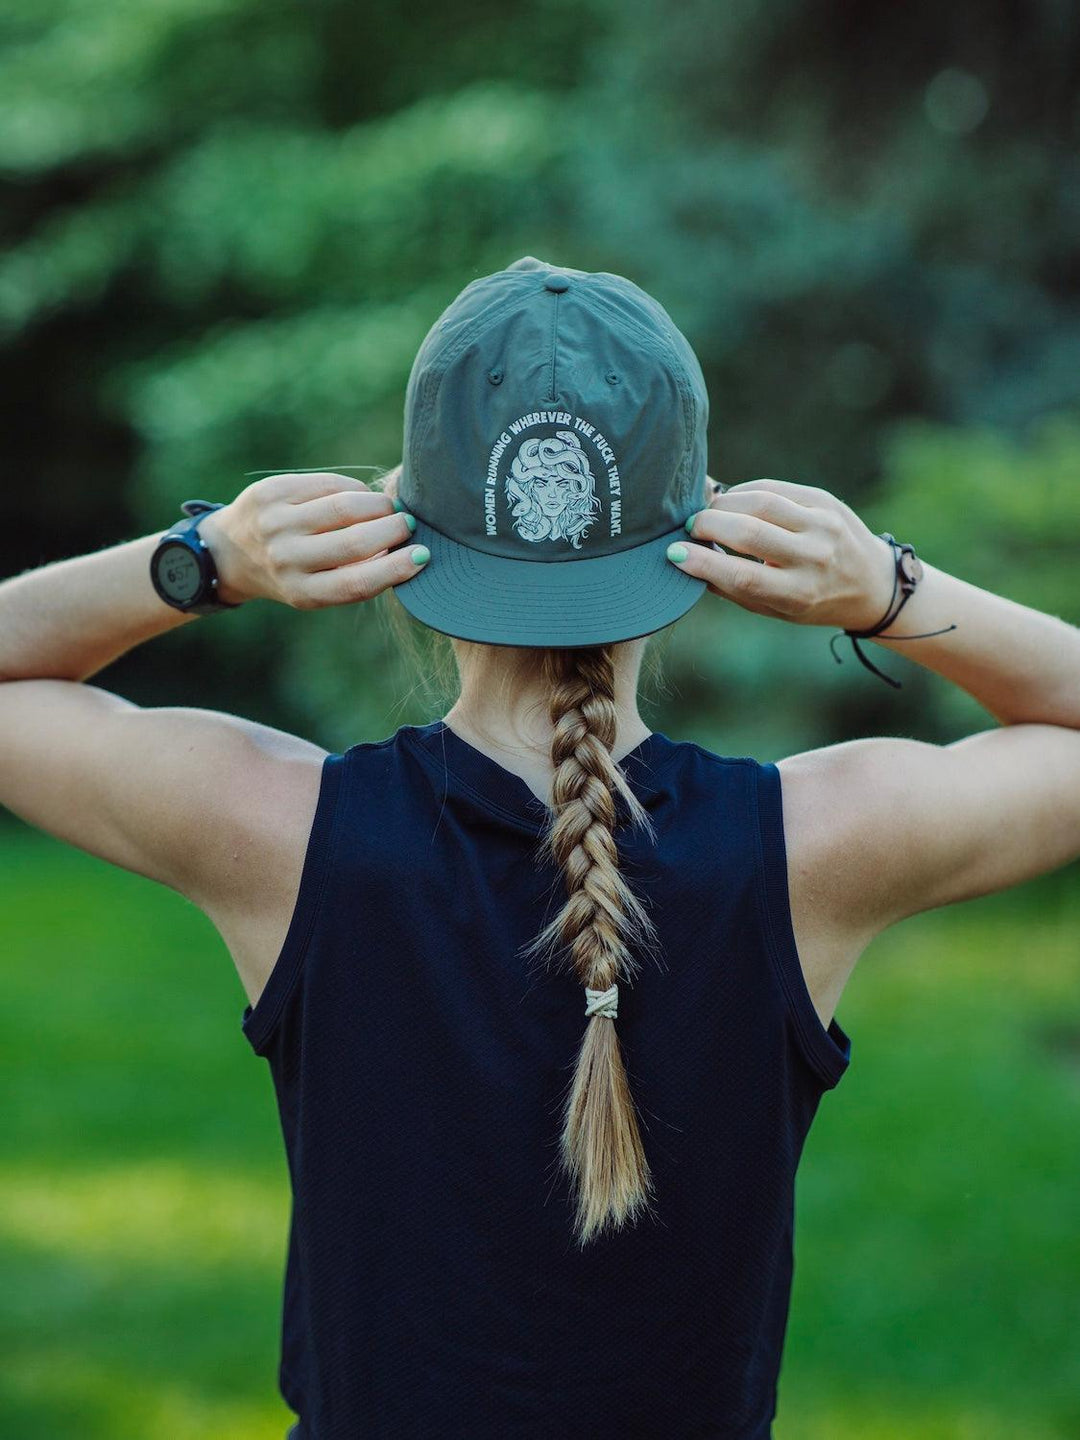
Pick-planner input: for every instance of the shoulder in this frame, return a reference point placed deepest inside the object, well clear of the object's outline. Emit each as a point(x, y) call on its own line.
point(264, 817)
point(175, 793)
point(852, 823)
point(257, 794)
point(890, 827)
point(833, 815)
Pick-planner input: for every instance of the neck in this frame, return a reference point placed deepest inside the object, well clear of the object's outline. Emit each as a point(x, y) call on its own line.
point(502, 708)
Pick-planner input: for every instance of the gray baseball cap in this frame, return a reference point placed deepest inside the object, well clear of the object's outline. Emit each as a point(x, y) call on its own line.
point(555, 443)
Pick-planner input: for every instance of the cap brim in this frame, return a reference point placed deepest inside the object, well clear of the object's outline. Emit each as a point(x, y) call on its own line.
point(499, 601)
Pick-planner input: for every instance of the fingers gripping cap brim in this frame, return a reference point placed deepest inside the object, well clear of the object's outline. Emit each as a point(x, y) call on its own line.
point(499, 601)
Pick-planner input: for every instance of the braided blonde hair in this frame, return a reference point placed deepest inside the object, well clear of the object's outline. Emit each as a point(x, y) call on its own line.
point(601, 920)
point(600, 925)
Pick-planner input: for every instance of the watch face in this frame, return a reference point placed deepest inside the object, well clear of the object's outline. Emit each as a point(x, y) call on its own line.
point(178, 573)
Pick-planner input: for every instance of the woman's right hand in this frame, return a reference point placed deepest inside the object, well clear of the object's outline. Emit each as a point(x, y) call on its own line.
point(309, 541)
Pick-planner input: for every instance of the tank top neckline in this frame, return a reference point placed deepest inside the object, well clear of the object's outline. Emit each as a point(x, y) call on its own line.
point(509, 792)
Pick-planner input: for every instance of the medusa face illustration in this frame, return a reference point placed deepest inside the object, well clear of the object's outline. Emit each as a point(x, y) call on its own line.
point(552, 489)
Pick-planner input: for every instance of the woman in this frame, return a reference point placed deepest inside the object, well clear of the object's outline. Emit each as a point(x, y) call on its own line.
point(520, 1210)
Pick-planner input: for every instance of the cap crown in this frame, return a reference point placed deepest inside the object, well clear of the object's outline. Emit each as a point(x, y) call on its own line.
point(554, 414)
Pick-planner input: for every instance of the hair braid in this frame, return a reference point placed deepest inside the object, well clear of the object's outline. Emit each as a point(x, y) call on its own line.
point(600, 1143)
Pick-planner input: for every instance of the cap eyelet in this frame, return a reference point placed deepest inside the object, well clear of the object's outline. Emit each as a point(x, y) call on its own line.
point(612, 378)
point(495, 375)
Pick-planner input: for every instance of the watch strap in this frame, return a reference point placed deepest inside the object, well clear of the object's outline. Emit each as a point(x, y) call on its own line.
point(201, 507)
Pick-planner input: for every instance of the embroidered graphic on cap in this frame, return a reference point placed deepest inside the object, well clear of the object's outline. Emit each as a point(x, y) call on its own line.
point(549, 484)
point(552, 489)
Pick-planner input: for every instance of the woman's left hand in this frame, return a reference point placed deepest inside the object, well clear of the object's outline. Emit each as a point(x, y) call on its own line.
point(793, 552)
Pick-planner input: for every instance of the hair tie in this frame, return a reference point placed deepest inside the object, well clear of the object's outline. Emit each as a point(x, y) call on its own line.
point(602, 1002)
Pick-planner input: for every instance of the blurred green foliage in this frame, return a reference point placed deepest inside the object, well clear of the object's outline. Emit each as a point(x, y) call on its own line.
point(228, 226)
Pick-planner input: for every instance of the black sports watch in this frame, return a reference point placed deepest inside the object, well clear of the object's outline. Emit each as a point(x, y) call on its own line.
point(182, 568)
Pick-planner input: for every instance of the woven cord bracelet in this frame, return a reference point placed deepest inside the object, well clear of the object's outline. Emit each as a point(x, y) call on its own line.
point(908, 587)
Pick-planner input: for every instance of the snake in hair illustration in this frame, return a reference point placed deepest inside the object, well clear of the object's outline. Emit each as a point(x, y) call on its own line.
point(552, 489)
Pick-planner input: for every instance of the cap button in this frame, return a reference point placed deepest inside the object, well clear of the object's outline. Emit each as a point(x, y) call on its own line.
point(556, 282)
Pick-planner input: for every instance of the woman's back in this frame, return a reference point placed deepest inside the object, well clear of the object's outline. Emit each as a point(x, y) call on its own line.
point(434, 1282)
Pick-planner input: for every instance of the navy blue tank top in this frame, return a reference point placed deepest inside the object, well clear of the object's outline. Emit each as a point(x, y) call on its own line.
point(433, 1283)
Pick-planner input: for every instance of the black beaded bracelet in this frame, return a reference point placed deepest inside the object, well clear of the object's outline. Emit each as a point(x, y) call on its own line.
point(907, 584)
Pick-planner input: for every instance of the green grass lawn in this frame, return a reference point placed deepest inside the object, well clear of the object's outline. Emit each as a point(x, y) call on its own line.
point(144, 1195)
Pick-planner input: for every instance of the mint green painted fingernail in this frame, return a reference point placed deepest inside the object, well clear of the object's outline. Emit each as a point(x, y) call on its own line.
point(410, 521)
point(420, 554)
point(689, 526)
point(396, 503)
point(677, 552)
